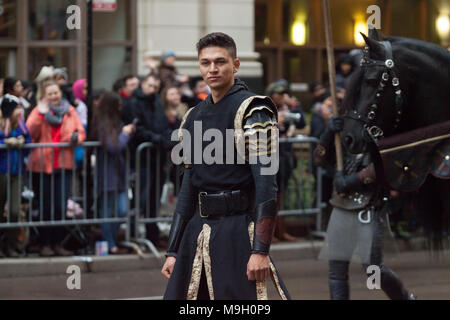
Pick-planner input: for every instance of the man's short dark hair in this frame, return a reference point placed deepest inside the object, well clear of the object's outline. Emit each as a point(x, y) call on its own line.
point(148, 76)
point(118, 85)
point(128, 77)
point(218, 39)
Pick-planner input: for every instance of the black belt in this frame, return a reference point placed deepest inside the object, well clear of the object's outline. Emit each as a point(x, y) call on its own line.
point(224, 203)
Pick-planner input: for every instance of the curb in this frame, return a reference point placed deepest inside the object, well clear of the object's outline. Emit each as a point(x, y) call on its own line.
point(34, 267)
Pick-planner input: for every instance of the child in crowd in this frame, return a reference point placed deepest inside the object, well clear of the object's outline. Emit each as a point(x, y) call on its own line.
point(14, 134)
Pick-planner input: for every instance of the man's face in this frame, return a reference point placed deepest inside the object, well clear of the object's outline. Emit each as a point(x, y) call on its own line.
point(217, 67)
point(278, 99)
point(131, 85)
point(18, 88)
point(149, 86)
point(346, 68)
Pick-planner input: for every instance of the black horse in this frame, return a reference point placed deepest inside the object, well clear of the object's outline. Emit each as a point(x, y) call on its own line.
point(403, 84)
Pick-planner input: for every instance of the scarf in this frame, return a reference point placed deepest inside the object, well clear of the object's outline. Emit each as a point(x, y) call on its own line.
point(56, 114)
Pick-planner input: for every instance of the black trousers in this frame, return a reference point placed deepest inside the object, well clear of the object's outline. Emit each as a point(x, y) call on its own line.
point(54, 194)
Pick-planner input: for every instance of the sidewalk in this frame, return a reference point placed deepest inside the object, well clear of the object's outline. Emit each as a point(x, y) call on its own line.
point(34, 267)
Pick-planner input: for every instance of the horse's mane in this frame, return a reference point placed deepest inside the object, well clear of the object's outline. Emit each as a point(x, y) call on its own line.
point(436, 55)
point(431, 49)
point(436, 58)
point(352, 91)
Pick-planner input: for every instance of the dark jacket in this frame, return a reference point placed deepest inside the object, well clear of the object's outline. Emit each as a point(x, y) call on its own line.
point(153, 125)
point(318, 127)
point(111, 165)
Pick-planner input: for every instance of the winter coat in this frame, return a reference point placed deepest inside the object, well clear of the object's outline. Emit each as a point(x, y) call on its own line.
point(41, 132)
point(153, 125)
point(16, 156)
point(111, 160)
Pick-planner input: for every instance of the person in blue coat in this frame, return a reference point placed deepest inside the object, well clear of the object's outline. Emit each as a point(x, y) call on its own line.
point(14, 134)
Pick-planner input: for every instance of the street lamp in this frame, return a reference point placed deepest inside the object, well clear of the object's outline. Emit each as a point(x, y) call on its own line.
point(360, 26)
point(299, 33)
point(443, 28)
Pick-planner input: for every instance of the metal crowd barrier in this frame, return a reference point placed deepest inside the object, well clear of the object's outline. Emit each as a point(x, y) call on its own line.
point(33, 185)
point(142, 215)
point(146, 217)
point(304, 146)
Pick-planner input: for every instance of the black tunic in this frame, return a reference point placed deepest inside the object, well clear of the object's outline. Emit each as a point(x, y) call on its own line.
point(219, 248)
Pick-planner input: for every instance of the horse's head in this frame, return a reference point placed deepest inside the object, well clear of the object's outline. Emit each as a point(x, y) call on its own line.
point(374, 98)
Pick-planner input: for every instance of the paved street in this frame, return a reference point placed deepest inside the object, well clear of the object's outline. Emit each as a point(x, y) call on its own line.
point(306, 279)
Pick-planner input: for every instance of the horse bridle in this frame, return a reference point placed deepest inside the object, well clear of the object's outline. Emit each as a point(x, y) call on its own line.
point(374, 132)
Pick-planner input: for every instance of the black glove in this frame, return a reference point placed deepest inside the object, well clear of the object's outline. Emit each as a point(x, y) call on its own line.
point(74, 138)
point(336, 124)
point(344, 184)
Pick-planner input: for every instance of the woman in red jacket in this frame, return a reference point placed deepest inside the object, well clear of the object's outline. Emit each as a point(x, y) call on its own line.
point(53, 121)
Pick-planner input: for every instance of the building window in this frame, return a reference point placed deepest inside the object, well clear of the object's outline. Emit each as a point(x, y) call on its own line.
point(47, 20)
point(34, 33)
point(115, 25)
point(7, 62)
point(56, 56)
point(8, 18)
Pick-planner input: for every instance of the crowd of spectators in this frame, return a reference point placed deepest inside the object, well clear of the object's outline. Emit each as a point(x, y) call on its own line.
point(134, 111)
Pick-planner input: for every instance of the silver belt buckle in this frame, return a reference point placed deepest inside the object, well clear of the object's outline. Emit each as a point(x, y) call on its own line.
point(200, 204)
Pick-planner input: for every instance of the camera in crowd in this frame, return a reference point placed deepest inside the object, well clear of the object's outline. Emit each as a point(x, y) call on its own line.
point(293, 117)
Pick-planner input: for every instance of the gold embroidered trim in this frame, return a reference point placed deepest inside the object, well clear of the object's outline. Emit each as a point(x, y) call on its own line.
point(207, 260)
point(258, 147)
point(250, 140)
point(276, 281)
point(262, 153)
point(201, 256)
point(261, 144)
point(264, 125)
point(196, 272)
point(239, 118)
point(257, 109)
point(253, 131)
point(261, 288)
point(180, 134)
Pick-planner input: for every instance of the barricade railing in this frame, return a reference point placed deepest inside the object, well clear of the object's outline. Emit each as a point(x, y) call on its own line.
point(54, 197)
point(148, 187)
point(153, 173)
point(300, 177)
point(36, 192)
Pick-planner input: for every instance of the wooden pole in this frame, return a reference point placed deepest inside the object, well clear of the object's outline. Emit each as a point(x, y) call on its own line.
point(332, 73)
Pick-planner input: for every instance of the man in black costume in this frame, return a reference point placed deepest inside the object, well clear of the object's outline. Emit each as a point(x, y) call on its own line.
point(225, 216)
point(359, 220)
